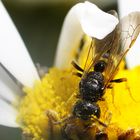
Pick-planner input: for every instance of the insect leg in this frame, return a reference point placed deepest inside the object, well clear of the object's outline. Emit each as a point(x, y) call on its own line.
point(76, 66)
point(93, 125)
point(63, 120)
point(77, 74)
point(118, 80)
point(54, 126)
point(101, 134)
point(100, 122)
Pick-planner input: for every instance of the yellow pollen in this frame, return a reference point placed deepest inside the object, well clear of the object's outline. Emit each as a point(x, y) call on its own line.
point(51, 94)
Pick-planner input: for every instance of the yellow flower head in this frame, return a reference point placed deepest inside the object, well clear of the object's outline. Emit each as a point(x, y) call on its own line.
point(46, 110)
point(92, 97)
point(63, 106)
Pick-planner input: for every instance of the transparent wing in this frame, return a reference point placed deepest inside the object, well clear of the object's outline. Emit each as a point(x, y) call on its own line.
point(114, 46)
point(125, 35)
point(99, 48)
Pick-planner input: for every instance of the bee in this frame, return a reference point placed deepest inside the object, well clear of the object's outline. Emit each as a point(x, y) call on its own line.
point(102, 64)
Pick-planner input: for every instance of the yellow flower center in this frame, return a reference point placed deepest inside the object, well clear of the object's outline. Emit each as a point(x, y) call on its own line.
point(53, 93)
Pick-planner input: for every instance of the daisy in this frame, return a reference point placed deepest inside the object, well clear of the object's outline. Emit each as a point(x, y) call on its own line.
point(38, 103)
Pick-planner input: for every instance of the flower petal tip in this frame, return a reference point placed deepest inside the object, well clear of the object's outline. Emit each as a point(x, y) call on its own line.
point(95, 22)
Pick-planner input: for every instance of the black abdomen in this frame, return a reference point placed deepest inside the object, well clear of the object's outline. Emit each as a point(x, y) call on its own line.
point(85, 110)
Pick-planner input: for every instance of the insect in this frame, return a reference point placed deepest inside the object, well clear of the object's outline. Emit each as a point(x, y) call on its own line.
point(101, 66)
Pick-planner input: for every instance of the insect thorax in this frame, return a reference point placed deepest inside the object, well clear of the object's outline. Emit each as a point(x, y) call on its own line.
point(91, 87)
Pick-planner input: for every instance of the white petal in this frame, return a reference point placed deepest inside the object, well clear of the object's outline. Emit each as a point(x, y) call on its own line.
point(13, 54)
point(125, 7)
point(95, 22)
point(83, 18)
point(8, 89)
point(7, 115)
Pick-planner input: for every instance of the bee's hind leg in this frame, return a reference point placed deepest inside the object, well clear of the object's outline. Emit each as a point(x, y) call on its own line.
point(54, 131)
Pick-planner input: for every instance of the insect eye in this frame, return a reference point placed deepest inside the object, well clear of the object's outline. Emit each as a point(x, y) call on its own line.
point(100, 66)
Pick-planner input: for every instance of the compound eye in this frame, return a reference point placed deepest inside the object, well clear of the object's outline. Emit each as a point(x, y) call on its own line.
point(100, 66)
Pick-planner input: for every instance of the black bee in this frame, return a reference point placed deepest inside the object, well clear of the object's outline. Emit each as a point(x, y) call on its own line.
point(102, 64)
point(91, 89)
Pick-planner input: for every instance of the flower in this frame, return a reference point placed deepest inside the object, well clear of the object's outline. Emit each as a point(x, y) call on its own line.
point(42, 108)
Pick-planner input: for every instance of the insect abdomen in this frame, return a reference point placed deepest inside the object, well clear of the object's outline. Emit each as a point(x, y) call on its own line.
point(85, 109)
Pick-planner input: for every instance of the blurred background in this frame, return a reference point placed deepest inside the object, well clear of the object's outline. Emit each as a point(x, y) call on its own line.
point(39, 24)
